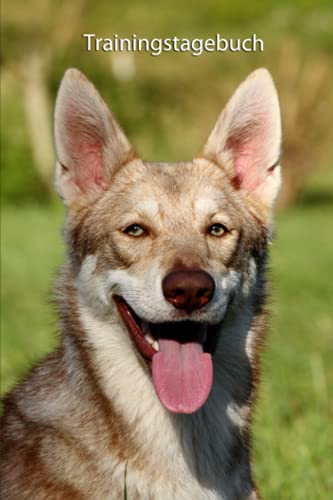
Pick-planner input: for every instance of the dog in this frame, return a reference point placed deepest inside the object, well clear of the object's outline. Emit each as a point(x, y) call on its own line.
point(163, 310)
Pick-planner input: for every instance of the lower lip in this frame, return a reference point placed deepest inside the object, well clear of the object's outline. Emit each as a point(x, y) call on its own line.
point(146, 350)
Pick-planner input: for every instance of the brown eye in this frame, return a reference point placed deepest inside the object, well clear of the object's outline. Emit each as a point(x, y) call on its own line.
point(217, 230)
point(135, 230)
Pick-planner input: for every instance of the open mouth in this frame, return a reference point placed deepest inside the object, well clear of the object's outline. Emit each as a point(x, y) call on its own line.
point(180, 355)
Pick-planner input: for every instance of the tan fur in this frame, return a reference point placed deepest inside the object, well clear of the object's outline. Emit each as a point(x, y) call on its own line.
point(86, 423)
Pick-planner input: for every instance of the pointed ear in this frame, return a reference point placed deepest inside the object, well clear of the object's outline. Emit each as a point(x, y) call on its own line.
point(90, 145)
point(247, 136)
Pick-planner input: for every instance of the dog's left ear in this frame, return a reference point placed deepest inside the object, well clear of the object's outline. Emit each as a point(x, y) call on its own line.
point(90, 145)
point(247, 137)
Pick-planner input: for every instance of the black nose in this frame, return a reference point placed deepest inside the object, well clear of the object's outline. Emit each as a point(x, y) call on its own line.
point(188, 289)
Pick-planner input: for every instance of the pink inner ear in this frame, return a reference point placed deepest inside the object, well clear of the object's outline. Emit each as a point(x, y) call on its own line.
point(248, 157)
point(85, 150)
point(89, 166)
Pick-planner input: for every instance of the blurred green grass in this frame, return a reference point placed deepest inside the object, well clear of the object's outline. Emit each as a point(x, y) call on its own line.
point(31, 252)
point(293, 429)
point(293, 425)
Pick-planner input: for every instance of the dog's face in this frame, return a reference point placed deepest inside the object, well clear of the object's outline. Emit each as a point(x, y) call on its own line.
point(170, 247)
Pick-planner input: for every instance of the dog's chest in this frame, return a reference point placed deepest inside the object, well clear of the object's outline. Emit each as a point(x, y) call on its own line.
point(183, 476)
point(154, 485)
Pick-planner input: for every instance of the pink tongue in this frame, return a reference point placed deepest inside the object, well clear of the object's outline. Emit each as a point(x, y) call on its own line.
point(182, 375)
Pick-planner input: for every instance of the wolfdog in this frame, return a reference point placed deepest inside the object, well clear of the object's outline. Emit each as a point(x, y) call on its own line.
point(162, 305)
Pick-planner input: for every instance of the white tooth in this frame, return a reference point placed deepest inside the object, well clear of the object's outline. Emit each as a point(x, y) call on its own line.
point(155, 345)
point(149, 338)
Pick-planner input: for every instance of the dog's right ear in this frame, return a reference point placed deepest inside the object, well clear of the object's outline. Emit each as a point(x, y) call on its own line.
point(90, 145)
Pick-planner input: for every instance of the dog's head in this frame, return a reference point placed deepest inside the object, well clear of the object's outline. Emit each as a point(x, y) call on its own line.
point(169, 248)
